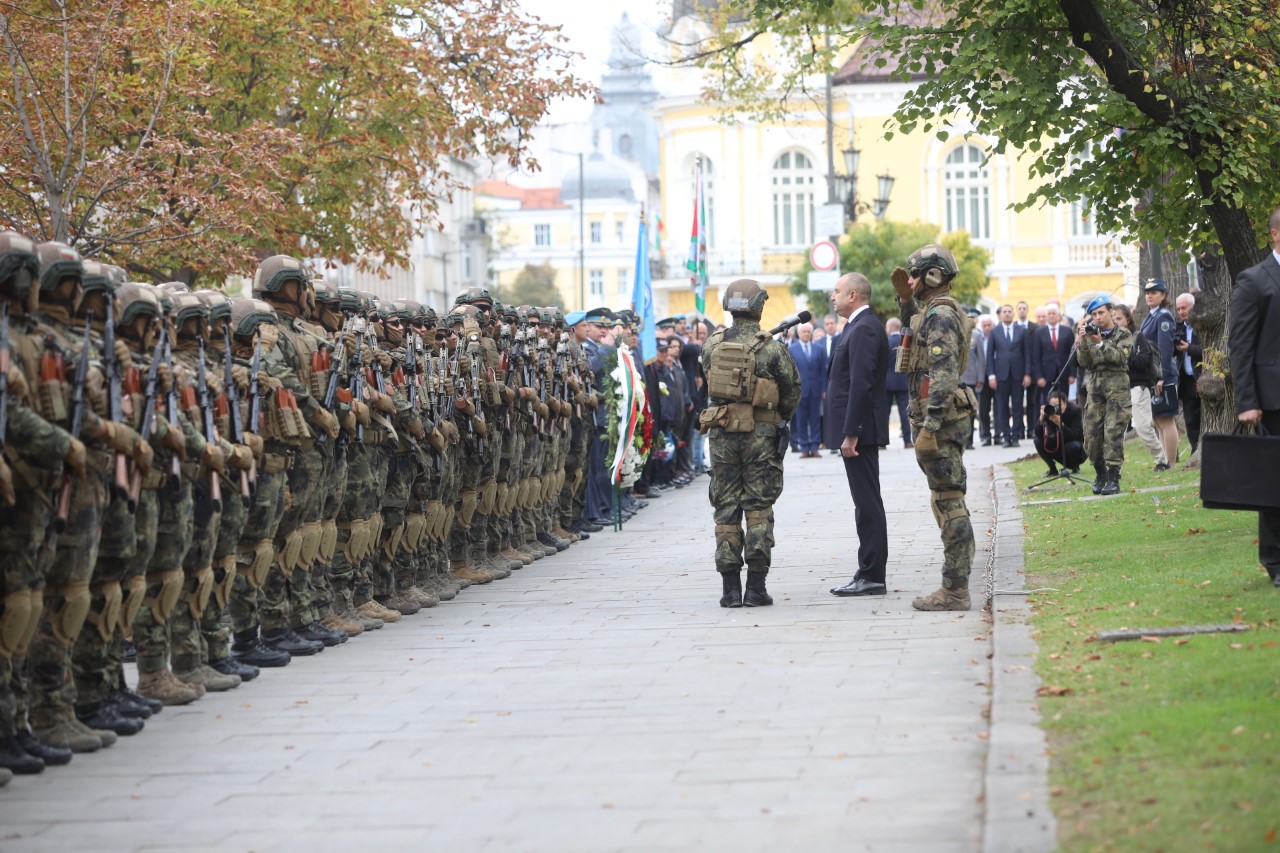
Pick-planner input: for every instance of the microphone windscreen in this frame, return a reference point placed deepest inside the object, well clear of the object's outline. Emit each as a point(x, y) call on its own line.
point(805, 316)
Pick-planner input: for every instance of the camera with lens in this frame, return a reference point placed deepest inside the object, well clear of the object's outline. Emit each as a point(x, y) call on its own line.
point(1091, 328)
point(1050, 410)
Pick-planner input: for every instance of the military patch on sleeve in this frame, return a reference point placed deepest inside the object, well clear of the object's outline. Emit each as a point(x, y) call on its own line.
point(1165, 326)
point(937, 350)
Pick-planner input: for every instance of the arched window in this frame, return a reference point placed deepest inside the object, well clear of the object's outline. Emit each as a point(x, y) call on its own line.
point(966, 185)
point(793, 183)
point(708, 193)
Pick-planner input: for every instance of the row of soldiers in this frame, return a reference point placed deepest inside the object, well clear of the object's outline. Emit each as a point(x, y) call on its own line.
point(232, 482)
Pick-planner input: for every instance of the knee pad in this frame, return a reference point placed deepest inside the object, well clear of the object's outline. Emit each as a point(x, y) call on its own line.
point(526, 494)
point(469, 502)
point(289, 552)
point(755, 517)
point(415, 527)
point(134, 590)
point(196, 589)
point(435, 520)
point(311, 533)
point(391, 540)
point(328, 540)
point(500, 499)
point(166, 598)
point(447, 519)
point(13, 622)
point(108, 618)
point(362, 535)
point(730, 534)
point(489, 498)
point(68, 619)
point(255, 564)
point(224, 577)
point(943, 515)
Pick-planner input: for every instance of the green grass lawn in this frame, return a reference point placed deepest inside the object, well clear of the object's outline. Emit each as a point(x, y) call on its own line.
point(1166, 745)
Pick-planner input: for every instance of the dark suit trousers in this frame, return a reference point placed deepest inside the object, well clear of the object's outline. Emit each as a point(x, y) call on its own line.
point(863, 473)
point(808, 423)
point(1190, 408)
point(899, 399)
point(1030, 410)
point(599, 495)
point(1269, 522)
point(986, 398)
point(1008, 402)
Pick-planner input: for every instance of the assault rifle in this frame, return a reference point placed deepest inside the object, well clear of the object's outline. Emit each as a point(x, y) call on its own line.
point(473, 390)
point(77, 420)
point(357, 382)
point(149, 407)
point(4, 395)
point(255, 388)
point(115, 408)
point(171, 408)
point(248, 479)
point(210, 424)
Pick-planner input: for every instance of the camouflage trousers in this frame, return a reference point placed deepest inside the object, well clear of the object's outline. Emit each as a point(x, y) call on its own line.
point(164, 575)
point(746, 480)
point(1106, 417)
point(186, 642)
point(575, 481)
point(359, 502)
point(254, 551)
point(944, 471)
point(372, 579)
point(288, 595)
point(51, 689)
point(401, 468)
point(27, 548)
point(333, 490)
point(91, 659)
point(215, 634)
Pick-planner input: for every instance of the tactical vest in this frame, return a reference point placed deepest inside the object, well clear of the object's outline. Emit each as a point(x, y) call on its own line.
point(305, 346)
point(913, 354)
point(742, 398)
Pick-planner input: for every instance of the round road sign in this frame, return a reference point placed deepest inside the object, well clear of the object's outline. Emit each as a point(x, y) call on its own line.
point(824, 256)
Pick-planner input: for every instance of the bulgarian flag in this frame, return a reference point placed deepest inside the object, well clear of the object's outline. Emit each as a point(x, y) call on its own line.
point(697, 263)
point(630, 407)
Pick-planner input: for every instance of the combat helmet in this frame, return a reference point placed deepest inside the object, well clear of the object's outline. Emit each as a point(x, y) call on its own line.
point(349, 300)
point(19, 268)
point(248, 314)
point(478, 296)
point(327, 293)
point(134, 300)
point(98, 277)
point(218, 304)
point(58, 261)
point(169, 288)
point(277, 271)
point(746, 297)
point(189, 306)
point(933, 266)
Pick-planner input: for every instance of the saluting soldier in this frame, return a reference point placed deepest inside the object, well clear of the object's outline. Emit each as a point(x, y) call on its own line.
point(1103, 349)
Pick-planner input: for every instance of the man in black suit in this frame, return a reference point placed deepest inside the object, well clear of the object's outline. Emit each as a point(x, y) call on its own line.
point(1008, 374)
point(1190, 352)
point(1255, 369)
point(1050, 354)
point(1030, 410)
point(858, 424)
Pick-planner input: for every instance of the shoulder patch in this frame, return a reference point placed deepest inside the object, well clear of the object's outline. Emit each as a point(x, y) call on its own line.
point(937, 350)
point(1165, 325)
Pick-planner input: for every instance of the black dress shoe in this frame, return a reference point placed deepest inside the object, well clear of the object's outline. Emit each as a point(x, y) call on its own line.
point(986, 442)
point(319, 633)
point(52, 756)
point(101, 715)
point(231, 666)
point(13, 757)
point(126, 706)
point(284, 640)
point(254, 653)
point(859, 586)
point(1013, 443)
point(589, 526)
point(1275, 581)
point(1052, 472)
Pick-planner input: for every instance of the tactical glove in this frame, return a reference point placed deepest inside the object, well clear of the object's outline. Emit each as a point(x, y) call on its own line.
point(254, 443)
point(902, 283)
point(241, 457)
point(326, 422)
point(142, 455)
point(7, 495)
point(119, 437)
point(75, 457)
point(212, 458)
point(18, 383)
point(175, 441)
point(123, 357)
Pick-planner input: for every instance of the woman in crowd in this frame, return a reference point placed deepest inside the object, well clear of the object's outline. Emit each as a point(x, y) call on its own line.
point(1140, 382)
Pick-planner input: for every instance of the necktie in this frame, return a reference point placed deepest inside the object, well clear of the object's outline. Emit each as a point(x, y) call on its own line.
point(1008, 333)
point(1053, 334)
point(806, 350)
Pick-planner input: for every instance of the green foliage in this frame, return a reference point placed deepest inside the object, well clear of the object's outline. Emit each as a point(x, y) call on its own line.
point(875, 248)
point(533, 285)
point(1129, 723)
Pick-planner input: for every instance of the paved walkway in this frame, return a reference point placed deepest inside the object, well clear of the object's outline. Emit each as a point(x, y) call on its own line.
point(598, 700)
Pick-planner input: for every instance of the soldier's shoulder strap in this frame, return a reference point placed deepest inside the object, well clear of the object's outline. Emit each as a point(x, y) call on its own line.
point(758, 341)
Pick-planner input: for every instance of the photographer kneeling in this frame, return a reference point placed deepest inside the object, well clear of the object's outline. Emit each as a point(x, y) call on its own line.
point(1059, 437)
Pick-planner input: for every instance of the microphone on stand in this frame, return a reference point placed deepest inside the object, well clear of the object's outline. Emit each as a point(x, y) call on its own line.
point(789, 321)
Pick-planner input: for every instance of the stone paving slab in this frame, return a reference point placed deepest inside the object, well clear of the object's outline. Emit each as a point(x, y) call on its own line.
point(598, 700)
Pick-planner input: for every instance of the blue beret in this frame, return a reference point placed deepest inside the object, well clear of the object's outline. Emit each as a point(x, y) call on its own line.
point(573, 318)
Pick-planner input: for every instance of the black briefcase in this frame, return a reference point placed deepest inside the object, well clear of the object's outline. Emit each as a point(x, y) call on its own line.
point(1239, 471)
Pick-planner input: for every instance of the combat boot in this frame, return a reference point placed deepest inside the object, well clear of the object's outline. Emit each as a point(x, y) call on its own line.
point(513, 555)
point(317, 632)
point(52, 756)
point(285, 640)
point(1100, 479)
point(230, 666)
point(421, 597)
point(103, 716)
point(560, 533)
point(209, 678)
point(463, 570)
point(107, 736)
point(553, 542)
point(122, 690)
point(485, 564)
point(63, 735)
point(503, 564)
point(247, 648)
point(128, 707)
point(167, 689)
point(334, 622)
point(943, 599)
point(1112, 484)
point(756, 594)
point(350, 614)
point(732, 589)
point(375, 610)
point(400, 603)
point(15, 758)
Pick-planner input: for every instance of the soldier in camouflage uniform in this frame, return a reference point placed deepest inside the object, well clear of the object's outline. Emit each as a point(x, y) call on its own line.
point(940, 409)
point(35, 450)
point(64, 304)
point(754, 389)
point(1104, 351)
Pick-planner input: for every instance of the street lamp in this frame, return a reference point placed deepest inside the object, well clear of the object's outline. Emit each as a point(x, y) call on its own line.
point(847, 188)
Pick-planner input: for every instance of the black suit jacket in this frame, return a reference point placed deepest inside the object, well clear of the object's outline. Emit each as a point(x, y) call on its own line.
point(1008, 360)
point(1255, 337)
point(856, 403)
point(1047, 362)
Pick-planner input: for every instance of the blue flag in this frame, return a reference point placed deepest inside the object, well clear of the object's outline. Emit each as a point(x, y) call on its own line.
point(642, 300)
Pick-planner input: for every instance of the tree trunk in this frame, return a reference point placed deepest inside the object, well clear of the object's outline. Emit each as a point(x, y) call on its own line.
point(1210, 319)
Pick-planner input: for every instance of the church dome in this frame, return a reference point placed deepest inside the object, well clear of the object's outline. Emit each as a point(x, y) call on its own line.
point(601, 180)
